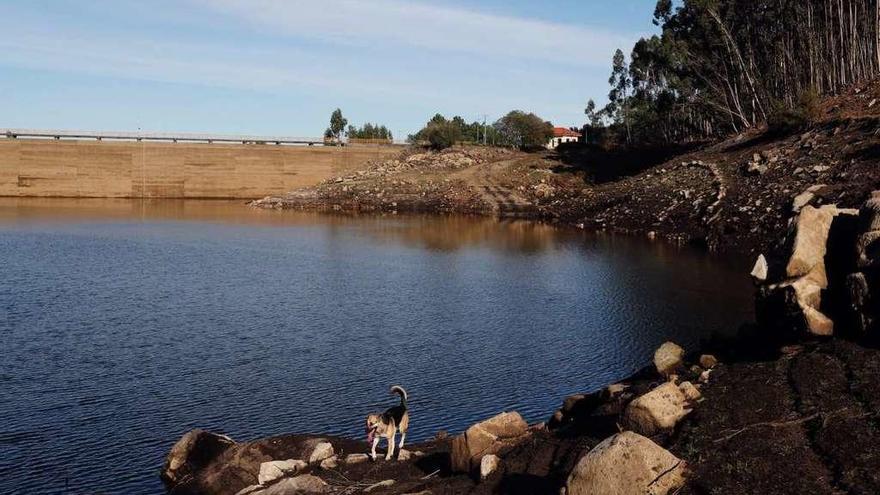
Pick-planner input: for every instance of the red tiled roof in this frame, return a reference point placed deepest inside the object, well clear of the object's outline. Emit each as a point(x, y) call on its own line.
point(565, 132)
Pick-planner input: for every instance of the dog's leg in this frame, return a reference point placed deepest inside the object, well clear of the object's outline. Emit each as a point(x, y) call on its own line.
point(402, 438)
point(390, 446)
point(375, 444)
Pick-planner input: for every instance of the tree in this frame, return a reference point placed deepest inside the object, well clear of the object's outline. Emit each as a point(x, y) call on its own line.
point(594, 118)
point(337, 124)
point(523, 130)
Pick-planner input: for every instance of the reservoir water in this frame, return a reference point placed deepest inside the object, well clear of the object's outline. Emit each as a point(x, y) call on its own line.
point(125, 324)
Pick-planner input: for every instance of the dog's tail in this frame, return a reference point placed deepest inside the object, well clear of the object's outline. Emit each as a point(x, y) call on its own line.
point(397, 389)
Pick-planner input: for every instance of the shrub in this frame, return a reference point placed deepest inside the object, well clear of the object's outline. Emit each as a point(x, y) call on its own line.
point(806, 112)
point(441, 135)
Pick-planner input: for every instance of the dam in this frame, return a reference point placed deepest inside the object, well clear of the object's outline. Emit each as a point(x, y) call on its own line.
point(77, 164)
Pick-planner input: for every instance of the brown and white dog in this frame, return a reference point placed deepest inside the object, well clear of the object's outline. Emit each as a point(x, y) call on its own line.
point(387, 425)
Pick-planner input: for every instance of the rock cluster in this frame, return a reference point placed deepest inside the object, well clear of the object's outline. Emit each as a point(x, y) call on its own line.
point(492, 436)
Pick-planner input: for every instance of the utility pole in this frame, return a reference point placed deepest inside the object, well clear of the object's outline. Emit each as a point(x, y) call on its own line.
point(484, 128)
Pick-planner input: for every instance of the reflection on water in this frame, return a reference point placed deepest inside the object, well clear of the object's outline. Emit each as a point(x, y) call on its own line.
point(125, 323)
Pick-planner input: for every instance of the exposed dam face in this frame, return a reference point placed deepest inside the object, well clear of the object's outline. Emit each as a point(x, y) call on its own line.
point(132, 169)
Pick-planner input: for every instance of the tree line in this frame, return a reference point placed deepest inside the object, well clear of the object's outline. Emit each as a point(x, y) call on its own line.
point(517, 129)
point(722, 66)
point(338, 129)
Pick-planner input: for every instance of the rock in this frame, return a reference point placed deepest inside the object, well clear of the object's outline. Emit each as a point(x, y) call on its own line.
point(488, 465)
point(376, 486)
point(404, 455)
point(668, 358)
point(616, 389)
point(249, 490)
point(810, 240)
point(626, 464)
point(356, 458)
point(330, 462)
point(272, 470)
point(755, 168)
point(192, 452)
point(759, 271)
point(708, 361)
point(804, 198)
point(658, 411)
point(690, 391)
point(704, 376)
point(322, 451)
point(298, 485)
point(493, 436)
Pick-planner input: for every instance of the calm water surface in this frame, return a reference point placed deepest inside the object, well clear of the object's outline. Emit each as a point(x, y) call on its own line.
point(125, 324)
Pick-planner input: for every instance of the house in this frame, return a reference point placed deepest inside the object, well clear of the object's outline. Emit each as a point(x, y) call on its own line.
point(562, 135)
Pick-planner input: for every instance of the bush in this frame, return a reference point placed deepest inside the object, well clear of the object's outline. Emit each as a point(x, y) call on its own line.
point(441, 135)
point(806, 112)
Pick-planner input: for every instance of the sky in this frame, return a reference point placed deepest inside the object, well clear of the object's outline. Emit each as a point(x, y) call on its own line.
point(280, 67)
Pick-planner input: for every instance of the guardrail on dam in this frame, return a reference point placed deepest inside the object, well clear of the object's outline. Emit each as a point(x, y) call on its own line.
point(47, 163)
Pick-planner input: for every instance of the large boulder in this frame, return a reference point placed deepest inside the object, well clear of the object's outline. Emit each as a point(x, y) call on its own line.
point(668, 358)
point(493, 436)
point(658, 411)
point(192, 452)
point(626, 464)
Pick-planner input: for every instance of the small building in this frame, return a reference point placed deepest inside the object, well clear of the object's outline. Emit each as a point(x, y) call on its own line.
point(562, 135)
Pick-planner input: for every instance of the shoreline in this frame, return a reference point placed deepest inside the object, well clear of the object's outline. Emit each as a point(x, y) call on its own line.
point(746, 195)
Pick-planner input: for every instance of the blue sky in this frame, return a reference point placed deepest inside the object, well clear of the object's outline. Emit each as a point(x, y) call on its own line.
point(281, 66)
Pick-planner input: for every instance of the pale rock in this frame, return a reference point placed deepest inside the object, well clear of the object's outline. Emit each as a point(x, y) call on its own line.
point(488, 465)
point(708, 361)
point(253, 489)
point(404, 455)
point(657, 411)
point(704, 376)
point(322, 451)
point(626, 464)
point(272, 470)
point(668, 358)
point(690, 391)
point(759, 271)
point(331, 462)
point(491, 436)
point(302, 484)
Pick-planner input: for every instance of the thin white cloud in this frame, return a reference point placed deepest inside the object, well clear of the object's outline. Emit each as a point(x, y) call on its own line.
point(377, 25)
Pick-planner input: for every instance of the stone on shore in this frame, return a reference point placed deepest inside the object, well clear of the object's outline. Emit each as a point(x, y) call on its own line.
point(626, 464)
point(492, 436)
point(760, 270)
point(322, 451)
point(356, 458)
point(658, 411)
point(708, 361)
point(331, 462)
point(192, 452)
point(668, 358)
point(272, 470)
point(298, 485)
point(488, 465)
point(690, 391)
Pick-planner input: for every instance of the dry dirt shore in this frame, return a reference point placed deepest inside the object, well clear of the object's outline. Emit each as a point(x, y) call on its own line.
point(735, 195)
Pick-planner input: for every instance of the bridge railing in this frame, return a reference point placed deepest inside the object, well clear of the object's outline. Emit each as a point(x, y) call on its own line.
point(158, 136)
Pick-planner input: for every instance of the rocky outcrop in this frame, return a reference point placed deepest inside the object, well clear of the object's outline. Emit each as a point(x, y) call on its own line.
point(658, 411)
point(298, 485)
point(668, 358)
point(493, 436)
point(792, 296)
point(626, 464)
point(192, 452)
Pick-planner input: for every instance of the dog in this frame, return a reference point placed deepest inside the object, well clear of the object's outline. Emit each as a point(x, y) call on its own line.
point(387, 425)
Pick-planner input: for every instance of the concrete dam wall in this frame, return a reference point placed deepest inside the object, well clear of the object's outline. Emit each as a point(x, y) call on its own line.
point(132, 169)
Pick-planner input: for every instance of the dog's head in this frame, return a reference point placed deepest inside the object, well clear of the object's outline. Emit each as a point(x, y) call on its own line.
point(374, 423)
